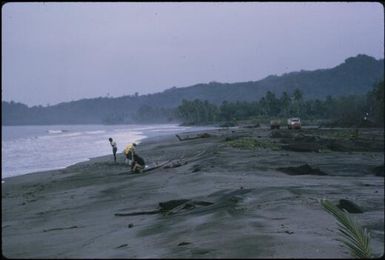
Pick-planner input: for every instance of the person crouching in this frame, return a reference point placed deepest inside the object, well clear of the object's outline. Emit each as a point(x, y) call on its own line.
point(138, 164)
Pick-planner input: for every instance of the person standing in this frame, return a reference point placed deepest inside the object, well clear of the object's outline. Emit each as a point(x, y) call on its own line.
point(114, 147)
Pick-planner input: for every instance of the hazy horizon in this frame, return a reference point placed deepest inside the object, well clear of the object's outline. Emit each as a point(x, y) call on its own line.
point(60, 52)
point(81, 98)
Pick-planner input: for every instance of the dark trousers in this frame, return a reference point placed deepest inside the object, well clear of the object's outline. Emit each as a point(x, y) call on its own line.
point(114, 150)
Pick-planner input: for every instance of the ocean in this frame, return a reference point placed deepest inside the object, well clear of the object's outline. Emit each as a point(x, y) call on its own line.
point(28, 149)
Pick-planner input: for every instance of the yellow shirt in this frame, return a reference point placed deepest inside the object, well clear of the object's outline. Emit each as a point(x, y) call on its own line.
point(129, 148)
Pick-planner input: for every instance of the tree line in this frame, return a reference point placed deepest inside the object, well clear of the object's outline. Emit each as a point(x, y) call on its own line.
point(348, 110)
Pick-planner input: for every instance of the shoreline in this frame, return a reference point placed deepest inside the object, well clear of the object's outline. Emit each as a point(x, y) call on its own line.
point(96, 158)
point(147, 138)
point(218, 197)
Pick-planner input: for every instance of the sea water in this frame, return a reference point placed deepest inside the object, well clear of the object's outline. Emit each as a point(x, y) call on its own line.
point(28, 149)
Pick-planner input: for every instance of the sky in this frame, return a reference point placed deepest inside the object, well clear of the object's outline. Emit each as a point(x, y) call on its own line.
point(61, 52)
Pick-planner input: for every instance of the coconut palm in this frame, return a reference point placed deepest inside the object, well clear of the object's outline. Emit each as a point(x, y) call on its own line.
point(355, 237)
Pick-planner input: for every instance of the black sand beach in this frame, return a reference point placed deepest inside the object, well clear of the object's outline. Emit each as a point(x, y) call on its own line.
point(227, 193)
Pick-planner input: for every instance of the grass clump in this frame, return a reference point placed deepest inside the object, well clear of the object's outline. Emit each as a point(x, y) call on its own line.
point(251, 143)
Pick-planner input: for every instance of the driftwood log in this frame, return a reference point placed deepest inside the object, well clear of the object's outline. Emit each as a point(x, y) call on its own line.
point(204, 135)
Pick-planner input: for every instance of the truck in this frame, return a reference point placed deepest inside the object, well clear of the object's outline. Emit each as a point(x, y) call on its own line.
point(275, 124)
point(294, 123)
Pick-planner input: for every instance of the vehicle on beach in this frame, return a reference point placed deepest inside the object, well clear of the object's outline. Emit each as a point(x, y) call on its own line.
point(294, 123)
point(275, 124)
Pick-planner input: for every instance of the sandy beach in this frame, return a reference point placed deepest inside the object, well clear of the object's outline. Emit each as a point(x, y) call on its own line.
point(247, 192)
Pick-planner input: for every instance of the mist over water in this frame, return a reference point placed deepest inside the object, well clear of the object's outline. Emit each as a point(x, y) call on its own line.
point(27, 149)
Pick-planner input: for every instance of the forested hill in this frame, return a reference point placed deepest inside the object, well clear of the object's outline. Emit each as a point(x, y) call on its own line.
point(356, 75)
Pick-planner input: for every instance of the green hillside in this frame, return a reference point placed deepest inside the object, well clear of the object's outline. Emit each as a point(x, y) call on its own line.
point(356, 75)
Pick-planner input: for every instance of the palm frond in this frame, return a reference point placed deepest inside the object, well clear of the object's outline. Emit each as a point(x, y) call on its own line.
point(354, 236)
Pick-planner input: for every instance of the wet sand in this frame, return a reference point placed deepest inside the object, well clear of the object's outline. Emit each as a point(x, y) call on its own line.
point(229, 193)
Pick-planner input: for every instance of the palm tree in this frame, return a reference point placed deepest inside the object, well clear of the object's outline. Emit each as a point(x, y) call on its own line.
point(355, 238)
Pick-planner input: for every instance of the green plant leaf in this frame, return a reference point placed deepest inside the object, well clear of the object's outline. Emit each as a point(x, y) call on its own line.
point(354, 236)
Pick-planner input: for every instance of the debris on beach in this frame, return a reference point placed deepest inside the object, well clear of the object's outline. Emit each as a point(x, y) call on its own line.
point(123, 245)
point(183, 243)
point(196, 168)
point(178, 163)
point(349, 206)
point(174, 206)
point(203, 135)
point(305, 169)
point(169, 207)
point(55, 229)
point(135, 213)
point(378, 170)
point(303, 147)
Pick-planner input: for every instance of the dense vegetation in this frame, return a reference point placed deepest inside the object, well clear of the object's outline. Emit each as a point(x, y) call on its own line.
point(355, 76)
point(354, 110)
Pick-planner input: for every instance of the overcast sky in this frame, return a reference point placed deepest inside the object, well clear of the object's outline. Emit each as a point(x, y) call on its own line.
point(57, 52)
